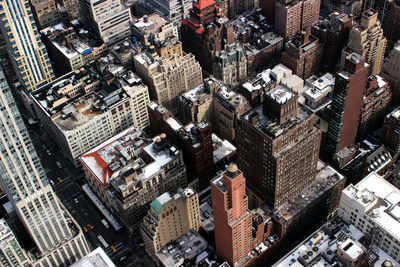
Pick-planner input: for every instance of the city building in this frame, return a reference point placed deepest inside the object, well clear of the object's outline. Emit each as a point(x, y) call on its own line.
point(127, 172)
point(367, 39)
point(196, 105)
point(195, 141)
point(336, 243)
point(319, 90)
point(391, 131)
point(390, 18)
point(232, 218)
point(175, 10)
point(234, 8)
point(168, 78)
point(303, 55)
point(206, 32)
point(45, 12)
point(94, 259)
point(228, 107)
point(350, 84)
point(26, 51)
point(87, 106)
point(292, 16)
point(187, 248)
point(71, 48)
point(224, 152)
point(353, 7)
point(256, 35)
point(170, 217)
point(289, 152)
point(11, 253)
point(333, 34)
point(71, 8)
point(230, 65)
point(373, 206)
point(58, 238)
point(109, 19)
point(376, 101)
point(391, 71)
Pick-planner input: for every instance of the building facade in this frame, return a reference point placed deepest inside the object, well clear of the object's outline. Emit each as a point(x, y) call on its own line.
point(289, 152)
point(168, 78)
point(391, 131)
point(292, 16)
point(232, 218)
point(169, 217)
point(26, 51)
point(109, 19)
point(391, 71)
point(347, 98)
point(56, 235)
point(367, 40)
point(127, 172)
point(45, 12)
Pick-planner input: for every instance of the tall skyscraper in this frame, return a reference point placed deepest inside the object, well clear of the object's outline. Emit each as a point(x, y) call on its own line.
point(278, 148)
point(25, 48)
point(348, 93)
point(367, 40)
point(232, 218)
point(57, 236)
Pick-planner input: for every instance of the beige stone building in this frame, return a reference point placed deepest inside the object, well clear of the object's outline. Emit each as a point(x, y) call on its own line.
point(367, 39)
point(46, 12)
point(233, 8)
point(168, 78)
point(71, 7)
point(169, 217)
point(391, 71)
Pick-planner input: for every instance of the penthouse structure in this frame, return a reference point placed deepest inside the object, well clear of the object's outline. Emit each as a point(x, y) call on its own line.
point(195, 141)
point(128, 171)
point(303, 55)
point(170, 217)
point(373, 206)
point(290, 148)
point(390, 131)
point(367, 40)
point(168, 78)
point(292, 16)
point(228, 107)
point(319, 91)
point(71, 48)
point(376, 101)
point(108, 18)
point(206, 32)
point(232, 218)
point(86, 107)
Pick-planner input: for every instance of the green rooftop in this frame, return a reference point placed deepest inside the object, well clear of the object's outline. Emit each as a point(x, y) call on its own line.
point(160, 201)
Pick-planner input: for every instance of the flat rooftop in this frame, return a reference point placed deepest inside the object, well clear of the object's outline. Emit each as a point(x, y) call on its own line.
point(96, 258)
point(231, 97)
point(222, 148)
point(128, 158)
point(151, 24)
point(321, 248)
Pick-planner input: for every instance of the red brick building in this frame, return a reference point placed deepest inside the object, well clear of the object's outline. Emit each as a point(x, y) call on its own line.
point(348, 94)
point(206, 32)
point(391, 131)
point(195, 141)
point(292, 16)
point(303, 55)
point(232, 218)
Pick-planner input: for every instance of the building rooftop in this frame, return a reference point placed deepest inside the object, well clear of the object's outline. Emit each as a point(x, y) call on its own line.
point(222, 149)
point(160, 201)
point(325, 246)
point(326, 177)
point(150, 24)
point(186, 247)
point(96, 258)
point(71, 41)
point(206, 214)
point(128, 159)
point(317, 94)
point(231, 97)
point(381, 201)
point(263, 80)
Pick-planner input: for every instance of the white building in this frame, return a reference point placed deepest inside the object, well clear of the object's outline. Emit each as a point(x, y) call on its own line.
point(96, 258)
point(373, 206)
point(57, 236)
point(80, 111)
point(110, 19)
